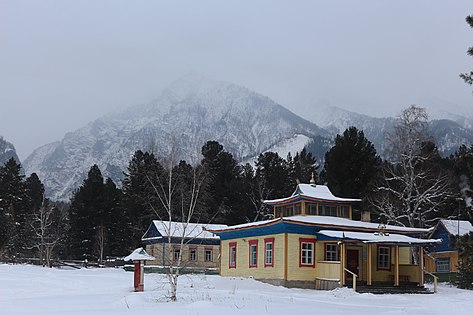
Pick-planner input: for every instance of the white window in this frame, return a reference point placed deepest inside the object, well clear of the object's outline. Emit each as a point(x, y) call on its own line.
point(307, 253)
point(268, 253)
point(193, 254)
point(384, 257)
point(331, 252)
point(253, 253)
point(232, 255)
point(442, 264)
point(176, 254)
point(208, 255)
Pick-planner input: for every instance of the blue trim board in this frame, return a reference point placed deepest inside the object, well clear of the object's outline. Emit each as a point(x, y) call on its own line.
point(280, 228)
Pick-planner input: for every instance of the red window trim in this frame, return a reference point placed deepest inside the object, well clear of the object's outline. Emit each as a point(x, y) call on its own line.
point(325, 251)
point(250, 243)
point(306, 240)
point(377, 257)
point(269, 240)
point(230, 245)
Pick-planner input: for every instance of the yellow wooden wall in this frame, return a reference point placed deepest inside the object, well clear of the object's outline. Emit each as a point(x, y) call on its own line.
point(322, 269)
point(430, 262)
point(242, 258)
point(295, 271)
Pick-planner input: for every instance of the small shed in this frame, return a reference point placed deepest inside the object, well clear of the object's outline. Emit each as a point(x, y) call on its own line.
point(200, 250)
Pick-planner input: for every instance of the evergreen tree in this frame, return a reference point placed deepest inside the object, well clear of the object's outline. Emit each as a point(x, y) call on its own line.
point(468, 77)
point(34, 191)
point(143, 175)
point(223, 172)
point(462, 164)
point(85, 216)
point(465, 263)
point(273, 173)
point(252, 193)
point(116, 220)
point(304, 165)
point(351, 164)
point(12, 209)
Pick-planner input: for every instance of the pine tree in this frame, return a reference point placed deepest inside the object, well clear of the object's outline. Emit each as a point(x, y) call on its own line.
point(468, 77)
point(143, 172)
point(273, 173)
point(118, 241)
point(12, 209)
point(223, 176)
point(34, 191)
point(85, 216)
point(465, 263)
point(304, 165)
point(351, 164)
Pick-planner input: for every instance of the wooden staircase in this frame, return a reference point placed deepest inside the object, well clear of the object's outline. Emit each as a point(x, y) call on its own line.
point(389, 288)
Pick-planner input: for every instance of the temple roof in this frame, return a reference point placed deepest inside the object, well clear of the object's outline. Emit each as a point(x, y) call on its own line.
point(326, 222)
point(310, 192)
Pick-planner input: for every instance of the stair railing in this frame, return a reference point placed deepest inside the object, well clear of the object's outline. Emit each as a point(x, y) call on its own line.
point(435, 279)
point(354, 277)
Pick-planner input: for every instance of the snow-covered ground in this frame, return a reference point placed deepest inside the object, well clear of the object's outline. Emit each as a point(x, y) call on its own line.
point(34, 290)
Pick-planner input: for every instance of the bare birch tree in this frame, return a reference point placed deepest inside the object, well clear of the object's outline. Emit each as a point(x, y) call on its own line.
point(414, 188)
point(177, 198)
point(48, 226)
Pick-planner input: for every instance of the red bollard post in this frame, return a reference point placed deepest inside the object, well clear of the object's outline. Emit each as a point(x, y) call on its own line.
point(138, 283)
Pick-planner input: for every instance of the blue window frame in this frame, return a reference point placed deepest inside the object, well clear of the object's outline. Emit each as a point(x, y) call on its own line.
point(442, 264)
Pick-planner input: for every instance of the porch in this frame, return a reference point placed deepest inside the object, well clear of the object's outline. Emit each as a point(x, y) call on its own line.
point(379, 263)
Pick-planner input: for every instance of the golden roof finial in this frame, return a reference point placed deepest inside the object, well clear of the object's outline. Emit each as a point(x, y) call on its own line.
point(312, 180)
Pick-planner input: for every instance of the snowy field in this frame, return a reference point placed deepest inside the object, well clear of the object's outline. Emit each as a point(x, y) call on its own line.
point(35, 290)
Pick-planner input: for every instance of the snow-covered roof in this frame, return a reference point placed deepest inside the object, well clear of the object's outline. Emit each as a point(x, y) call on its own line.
point(139, 254)
point(186, 230)
point(328, 221)
point(311, 191)
point(377, 237)
point(453, 226)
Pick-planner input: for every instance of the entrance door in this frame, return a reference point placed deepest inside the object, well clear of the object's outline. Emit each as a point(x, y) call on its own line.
point(353, 261)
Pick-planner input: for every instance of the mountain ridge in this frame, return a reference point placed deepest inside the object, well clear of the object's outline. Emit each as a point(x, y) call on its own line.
point(188, 113)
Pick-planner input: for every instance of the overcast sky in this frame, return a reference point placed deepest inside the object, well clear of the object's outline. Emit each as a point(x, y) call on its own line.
point(65, 63)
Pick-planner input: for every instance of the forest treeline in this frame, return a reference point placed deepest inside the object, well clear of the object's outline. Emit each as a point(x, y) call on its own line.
point(415, 187)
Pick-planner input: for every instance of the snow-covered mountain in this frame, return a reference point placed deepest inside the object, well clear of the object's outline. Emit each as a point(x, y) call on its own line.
point(7, 151)
point(448, 134)
point(188, 113)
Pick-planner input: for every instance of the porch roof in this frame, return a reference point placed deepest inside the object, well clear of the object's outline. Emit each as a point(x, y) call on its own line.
point(376, 237)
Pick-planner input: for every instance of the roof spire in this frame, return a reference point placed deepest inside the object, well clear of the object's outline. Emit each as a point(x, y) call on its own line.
point(312, 180)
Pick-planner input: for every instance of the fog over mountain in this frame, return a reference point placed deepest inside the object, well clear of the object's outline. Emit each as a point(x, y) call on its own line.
point(195, 109)
point(188, 113)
